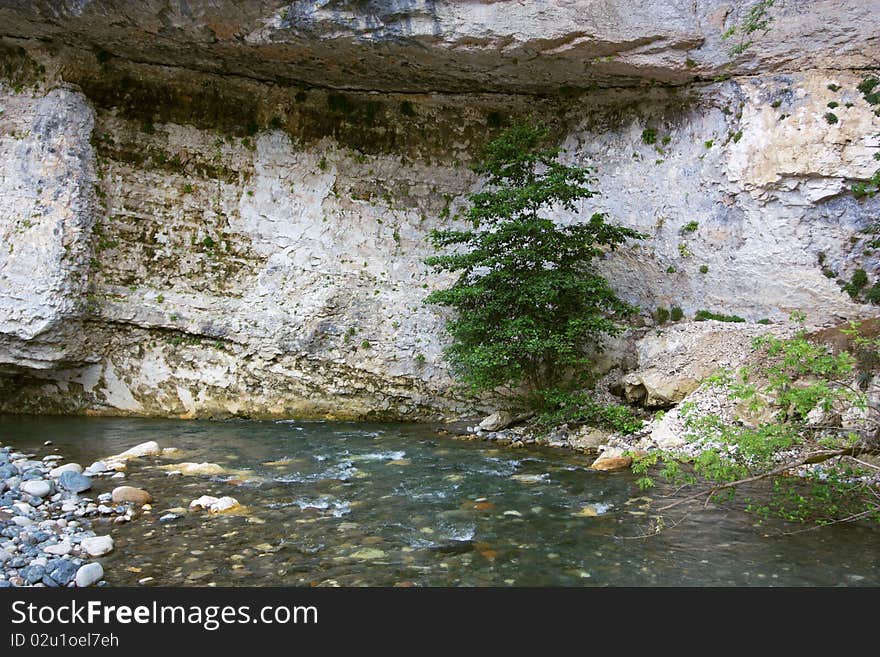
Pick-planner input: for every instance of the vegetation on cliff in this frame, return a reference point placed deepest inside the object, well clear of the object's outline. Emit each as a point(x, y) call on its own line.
point(529, 304)
point(799, 442)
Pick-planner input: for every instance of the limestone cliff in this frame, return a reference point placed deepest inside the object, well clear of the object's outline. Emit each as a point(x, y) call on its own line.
point(215, 208)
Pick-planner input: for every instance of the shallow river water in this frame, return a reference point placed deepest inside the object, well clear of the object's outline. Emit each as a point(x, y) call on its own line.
point(382, 505)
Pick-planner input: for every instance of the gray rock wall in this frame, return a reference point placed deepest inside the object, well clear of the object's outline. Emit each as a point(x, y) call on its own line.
point(223, 208)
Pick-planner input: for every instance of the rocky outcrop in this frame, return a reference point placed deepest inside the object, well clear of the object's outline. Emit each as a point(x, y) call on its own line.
point(452, 45)
point(222, 208)
point(673, 363)
point(47, 212)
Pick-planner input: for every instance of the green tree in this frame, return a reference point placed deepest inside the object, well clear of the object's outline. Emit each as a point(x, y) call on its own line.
point(529, 302)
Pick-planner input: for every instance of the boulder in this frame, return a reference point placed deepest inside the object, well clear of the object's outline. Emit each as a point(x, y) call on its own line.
point(497, 421)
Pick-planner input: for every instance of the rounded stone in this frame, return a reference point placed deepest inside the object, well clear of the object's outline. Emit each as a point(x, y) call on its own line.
point(74, 482)
point(36, 487)
point(96, 546)
point(67, 467)
point(131, 494)
point(89, 574)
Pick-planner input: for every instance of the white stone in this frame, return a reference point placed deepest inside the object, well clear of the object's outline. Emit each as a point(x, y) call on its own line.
point(89, 574)
point(149, 448)
point(36, 487)
point(60, 549)
point(96, 546)
point(67, 467)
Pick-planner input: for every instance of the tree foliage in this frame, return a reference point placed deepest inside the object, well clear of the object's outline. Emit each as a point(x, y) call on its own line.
point(528, 300)
point(805, 453)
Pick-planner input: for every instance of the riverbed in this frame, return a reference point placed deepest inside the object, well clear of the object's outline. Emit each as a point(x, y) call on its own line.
point(354, 504)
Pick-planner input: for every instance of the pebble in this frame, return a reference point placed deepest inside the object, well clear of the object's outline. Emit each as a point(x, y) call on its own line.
point(168, 517)
point(89, 574)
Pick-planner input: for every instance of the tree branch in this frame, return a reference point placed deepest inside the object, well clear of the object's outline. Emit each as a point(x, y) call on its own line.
point(814, 457)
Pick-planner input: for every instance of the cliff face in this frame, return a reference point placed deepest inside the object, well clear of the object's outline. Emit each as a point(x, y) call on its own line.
point(215, 208)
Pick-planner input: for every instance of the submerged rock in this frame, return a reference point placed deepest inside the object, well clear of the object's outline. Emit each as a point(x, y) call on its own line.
point(194, 469)
point(149, 448)
point(215, 505)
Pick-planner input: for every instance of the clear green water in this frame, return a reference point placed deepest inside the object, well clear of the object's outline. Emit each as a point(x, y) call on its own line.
point(382, 505)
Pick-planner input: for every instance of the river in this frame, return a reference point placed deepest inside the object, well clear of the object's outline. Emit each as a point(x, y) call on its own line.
point(355, 504)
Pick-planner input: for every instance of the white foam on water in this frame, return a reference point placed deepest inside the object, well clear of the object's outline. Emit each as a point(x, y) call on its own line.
point(379, 456)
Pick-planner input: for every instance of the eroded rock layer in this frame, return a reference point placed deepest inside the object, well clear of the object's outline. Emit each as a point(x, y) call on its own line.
point(222, 208)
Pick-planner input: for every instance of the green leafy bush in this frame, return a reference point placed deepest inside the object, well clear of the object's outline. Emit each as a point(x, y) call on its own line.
point(795, 376)
point(703, 315)
point(578, 408)
point(676, 313)
point(529, 304)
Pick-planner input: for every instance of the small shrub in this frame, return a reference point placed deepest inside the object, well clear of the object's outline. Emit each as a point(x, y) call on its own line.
point(737, 136)
point(671, 270)
point(831, 118)
point(661, 315)
point(676, 313)
point(187, 189)
point(764, 321)
point(834, 87)
point(684, 251)
point(649, 136)
point(833, 104)
point(690, 227)
point(873, 294)
point(703, 315)
point(577, 408)
point(709, 143)
point(365, 344)
point(776, 103)
point(857, 283)
point(704, 269)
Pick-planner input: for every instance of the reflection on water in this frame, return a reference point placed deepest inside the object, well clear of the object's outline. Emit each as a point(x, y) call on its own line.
point(381, 505)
